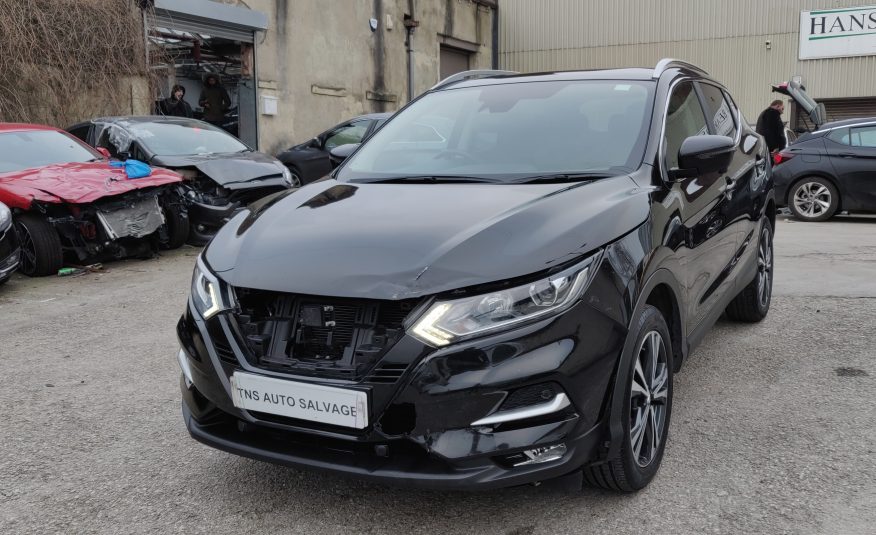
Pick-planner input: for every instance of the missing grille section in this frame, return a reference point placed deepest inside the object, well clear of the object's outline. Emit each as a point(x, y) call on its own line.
point(320, 336)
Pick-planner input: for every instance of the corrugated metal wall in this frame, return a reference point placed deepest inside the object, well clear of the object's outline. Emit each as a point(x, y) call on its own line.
point(727, 38)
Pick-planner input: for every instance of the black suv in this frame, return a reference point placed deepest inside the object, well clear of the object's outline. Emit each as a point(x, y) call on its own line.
point(502, 302)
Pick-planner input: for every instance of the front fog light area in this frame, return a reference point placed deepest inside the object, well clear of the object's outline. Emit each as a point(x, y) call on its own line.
point(449, 321)
point(536, 455)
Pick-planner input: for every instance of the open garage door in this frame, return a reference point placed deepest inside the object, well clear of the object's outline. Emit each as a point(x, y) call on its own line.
point(192, 39)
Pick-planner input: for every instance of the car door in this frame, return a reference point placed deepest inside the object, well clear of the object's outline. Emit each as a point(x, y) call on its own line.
point(710, 237)
point(852, 153)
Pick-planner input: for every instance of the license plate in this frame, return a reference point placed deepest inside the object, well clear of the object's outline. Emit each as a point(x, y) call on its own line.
point(316, 403)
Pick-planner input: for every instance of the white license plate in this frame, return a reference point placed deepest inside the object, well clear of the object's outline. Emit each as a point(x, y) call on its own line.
point(316, 403)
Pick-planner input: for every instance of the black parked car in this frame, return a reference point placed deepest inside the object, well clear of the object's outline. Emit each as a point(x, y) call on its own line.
point(829, 170)
point(222, 174)
point(9, 250)
point(501, 306)
point(310, 161)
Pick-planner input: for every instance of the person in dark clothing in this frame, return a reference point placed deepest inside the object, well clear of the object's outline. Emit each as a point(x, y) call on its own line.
point(771, 127)
point(175, 105)
point(215, 100)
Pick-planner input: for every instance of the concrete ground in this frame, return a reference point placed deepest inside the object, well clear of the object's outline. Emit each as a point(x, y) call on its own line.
point(773, 424)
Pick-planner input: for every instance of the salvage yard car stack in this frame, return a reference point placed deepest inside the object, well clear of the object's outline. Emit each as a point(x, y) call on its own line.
point(69, 204)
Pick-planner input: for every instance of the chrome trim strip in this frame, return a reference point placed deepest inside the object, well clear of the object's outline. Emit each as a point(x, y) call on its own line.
point(560, 401)
point(666, 63)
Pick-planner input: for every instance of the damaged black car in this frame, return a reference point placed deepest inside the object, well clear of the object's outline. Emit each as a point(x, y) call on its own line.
point(502, 303)
point(221, 174)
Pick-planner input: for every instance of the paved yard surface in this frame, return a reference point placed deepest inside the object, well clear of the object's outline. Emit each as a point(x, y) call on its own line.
point(774, 425)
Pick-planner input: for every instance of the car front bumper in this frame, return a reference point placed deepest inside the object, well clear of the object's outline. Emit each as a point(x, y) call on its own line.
point(421, 429)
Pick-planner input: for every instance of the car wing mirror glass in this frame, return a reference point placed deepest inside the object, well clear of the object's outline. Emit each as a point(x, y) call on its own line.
point(340, 153)
point(703, 155)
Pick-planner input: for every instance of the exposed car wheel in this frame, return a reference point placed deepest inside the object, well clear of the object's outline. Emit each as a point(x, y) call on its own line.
point(753, 302)
point(175, 231)
point(647, 409)
point(41, 252)
point(296, 178)
point(814, 199)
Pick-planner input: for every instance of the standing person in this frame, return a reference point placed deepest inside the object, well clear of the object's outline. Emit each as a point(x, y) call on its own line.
point(215, 100)
point(175, 105)
point(771, 127)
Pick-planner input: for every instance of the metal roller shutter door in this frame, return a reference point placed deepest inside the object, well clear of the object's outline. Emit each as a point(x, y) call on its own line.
point(839, 109)
point(183, 23)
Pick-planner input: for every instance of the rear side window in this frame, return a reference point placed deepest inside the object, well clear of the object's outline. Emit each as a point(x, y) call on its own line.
point(718, 111)
point(81, 132)
point(863, 136)
point(684, 118)
point(840, 135)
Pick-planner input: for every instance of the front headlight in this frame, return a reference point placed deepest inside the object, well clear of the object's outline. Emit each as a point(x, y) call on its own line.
point(450, 321)
point(5, 217)
point(206, 292)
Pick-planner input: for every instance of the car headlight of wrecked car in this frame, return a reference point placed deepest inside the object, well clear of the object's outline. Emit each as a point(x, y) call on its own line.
point(206, 292)
point(5, 218)
point(449, 321)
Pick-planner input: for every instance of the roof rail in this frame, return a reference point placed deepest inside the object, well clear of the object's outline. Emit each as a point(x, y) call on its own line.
point(667, 63)
point(470, 75)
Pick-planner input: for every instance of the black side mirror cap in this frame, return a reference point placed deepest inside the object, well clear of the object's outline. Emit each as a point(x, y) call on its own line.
point(703, 155)
point(341, 153)
point(315, 143)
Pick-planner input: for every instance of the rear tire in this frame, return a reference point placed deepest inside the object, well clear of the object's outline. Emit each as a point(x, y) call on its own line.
point(175, 231)
point(753, 302)
point(646, 411)
point(813, 199)
point(41, 252)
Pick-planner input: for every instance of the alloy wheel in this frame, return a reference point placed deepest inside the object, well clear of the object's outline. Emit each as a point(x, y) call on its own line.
point(764, 268)
point(28, 250)
point(649, 393)
point(812, 199)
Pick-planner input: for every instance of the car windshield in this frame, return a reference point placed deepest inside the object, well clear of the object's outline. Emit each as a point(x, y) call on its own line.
point(185, 138)
point(36, 148)
point(511, 132)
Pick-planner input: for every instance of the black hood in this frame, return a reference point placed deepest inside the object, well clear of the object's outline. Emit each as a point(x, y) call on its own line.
point(229, 168)
point(395, 241)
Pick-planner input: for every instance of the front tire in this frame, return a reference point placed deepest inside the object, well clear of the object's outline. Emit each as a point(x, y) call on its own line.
point(814, 199)
point(753, 302)
point(175, 231)
point(647, 409)
point(41, 252)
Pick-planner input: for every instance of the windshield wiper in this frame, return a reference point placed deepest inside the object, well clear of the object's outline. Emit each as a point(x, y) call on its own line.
point(431, 179)
point(565, 177)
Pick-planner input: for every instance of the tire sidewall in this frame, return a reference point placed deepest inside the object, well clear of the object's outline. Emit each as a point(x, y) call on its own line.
point(649, 320)
point(764, 308)
point(834, 199)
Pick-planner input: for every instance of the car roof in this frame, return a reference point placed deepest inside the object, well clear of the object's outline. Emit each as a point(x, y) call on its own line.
point(847, 122)
point(25, 127)
point(373, 116)
point(126, 119)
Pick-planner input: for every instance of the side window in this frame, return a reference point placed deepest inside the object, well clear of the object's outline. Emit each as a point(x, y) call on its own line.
point(114, 139)
point(718, 111)
point(840, 135)
point(351, 133)
point(684, 118)
point(863, 136)
point(81, 132)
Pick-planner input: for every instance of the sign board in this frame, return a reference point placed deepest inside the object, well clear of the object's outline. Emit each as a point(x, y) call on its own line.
point(836, 33)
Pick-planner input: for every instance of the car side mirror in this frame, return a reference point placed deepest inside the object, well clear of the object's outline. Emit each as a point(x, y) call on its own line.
point(315, 143)
point(104, 152)
point(703, 155)
point(124, 155)
point(340, 153)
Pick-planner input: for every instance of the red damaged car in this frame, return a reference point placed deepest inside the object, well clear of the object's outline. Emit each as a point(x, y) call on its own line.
point(70, 205)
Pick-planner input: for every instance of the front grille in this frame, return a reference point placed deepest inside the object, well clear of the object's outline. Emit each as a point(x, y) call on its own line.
point(249, 195)
point(319, 336)
point(387, 373)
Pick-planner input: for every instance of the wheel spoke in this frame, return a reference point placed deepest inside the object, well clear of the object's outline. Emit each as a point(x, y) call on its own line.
point(637, 433)
point(660, 390)
point(823, 204)
point(638, 390)
point(653, 352)
point(638, 374)
point(655, 433)
point(821, 190)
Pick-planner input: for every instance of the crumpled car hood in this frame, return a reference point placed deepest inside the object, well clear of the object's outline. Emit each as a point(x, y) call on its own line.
point(227, 169)
point(74, 183)
point(396, 241)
